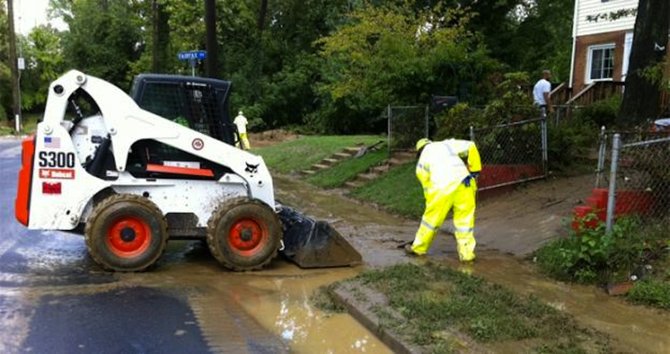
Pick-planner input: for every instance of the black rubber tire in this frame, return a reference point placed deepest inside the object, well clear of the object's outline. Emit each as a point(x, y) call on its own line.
point(229, 214)
point(110, 211)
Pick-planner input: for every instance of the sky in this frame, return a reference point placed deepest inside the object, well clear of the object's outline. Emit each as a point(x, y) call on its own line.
point(31, 13)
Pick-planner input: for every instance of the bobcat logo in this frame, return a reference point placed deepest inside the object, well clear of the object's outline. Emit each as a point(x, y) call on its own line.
point(251, 168)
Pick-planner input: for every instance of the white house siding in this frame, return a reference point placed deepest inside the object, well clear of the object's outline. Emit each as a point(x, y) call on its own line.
point(586, 8)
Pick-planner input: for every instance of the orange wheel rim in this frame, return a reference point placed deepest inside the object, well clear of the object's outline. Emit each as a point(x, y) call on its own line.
point(128, 236)
point(247, 236)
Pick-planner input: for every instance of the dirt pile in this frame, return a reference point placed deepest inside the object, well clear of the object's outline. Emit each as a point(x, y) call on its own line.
point(271, 137)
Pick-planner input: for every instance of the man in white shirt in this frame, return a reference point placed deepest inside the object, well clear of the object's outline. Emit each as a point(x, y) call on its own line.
point(241, 123)
point(541, 93)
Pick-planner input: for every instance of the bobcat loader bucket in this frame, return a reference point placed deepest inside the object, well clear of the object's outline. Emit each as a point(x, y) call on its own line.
point(314, 244)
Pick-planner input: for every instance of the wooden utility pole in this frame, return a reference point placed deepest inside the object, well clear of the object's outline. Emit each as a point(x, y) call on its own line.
point(212, 61)
point(13, 62)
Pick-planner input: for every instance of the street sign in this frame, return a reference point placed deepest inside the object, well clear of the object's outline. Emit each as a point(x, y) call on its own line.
point(192, 55)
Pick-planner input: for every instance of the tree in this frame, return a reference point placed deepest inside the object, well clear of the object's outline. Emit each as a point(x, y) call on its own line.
point(103, 38)
point(541, 38)
point(391, 54)
point(650, 41)
point(44, 63)
point(160, 37)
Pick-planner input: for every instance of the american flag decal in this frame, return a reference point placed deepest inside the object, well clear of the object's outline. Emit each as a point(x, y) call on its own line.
point(51, 142)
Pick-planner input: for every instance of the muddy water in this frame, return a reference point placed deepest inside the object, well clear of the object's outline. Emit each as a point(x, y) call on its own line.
point(636, 328)
point(272, 306)
point(633, 328)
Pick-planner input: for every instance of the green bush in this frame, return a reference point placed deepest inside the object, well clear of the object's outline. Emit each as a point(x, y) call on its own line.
point(569, 140)
point(597, 256)
point(603, 112)
point(456, 122)
point(511, 104)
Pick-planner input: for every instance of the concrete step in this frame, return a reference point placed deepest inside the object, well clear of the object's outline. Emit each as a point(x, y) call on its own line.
point(352, 149)
point(308, 172)
point(367, 176)
point(404, 155)
point(380, 169)
point(353, 184)
point(395, 162)
point(320, 166)
point(329, 161)
point(342, 155)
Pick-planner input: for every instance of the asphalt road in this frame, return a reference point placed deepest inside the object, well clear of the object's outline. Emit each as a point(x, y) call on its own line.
point(55, 299)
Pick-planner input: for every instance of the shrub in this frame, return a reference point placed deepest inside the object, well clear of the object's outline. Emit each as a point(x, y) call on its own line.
point(603, 112)
point(568, 140)
point(511, 104)
point(597, 256)
point(456, 121)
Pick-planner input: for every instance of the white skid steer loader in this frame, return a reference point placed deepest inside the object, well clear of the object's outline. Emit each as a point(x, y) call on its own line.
point(130, 179)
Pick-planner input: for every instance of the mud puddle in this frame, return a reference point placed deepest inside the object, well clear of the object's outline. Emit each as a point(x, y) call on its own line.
point(375, 233)
point(272, 306)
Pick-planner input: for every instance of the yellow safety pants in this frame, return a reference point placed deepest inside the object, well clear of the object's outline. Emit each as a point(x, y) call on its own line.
point(244, 142)
point(438, 205)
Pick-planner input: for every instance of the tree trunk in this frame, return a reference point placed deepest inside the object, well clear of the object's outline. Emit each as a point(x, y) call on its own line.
point(160, 37)
point(262, 13)
point(260, 51)
point(650, 40)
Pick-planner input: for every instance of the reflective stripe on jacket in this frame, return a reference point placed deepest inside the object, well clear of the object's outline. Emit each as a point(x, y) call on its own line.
point(440, 165)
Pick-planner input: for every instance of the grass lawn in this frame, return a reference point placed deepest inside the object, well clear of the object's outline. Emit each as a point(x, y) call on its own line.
point(433, 299)
point(397, 191)
point(300, 154)
point(347, 169)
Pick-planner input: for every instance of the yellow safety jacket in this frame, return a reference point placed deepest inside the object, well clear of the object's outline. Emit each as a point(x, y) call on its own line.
point(441, 165)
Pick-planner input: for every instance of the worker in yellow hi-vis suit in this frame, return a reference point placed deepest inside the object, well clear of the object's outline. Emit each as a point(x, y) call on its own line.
point(241, 124)
point(447, 171)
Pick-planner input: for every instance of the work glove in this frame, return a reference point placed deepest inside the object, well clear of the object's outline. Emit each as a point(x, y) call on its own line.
point(466, 180)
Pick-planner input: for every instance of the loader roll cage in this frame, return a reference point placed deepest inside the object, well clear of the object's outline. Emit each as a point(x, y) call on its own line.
point(200, 104)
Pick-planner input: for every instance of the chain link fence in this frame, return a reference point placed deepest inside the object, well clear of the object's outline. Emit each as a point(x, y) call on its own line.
point(511, 153)
point(406, 125)
point(639, 177)
point(562, 113)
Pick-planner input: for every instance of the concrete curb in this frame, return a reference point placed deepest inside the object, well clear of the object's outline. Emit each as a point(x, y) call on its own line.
point(361, 301)
point(13, 137)
point(349, 295)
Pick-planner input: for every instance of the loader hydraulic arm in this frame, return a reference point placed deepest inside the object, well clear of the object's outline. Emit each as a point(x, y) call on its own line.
point(127, 123)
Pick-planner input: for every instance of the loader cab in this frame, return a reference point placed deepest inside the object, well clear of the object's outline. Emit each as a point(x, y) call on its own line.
point(200, 104)
point(195, 102)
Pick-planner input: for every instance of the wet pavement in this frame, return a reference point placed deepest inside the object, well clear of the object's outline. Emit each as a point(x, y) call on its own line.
point(54, 298)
